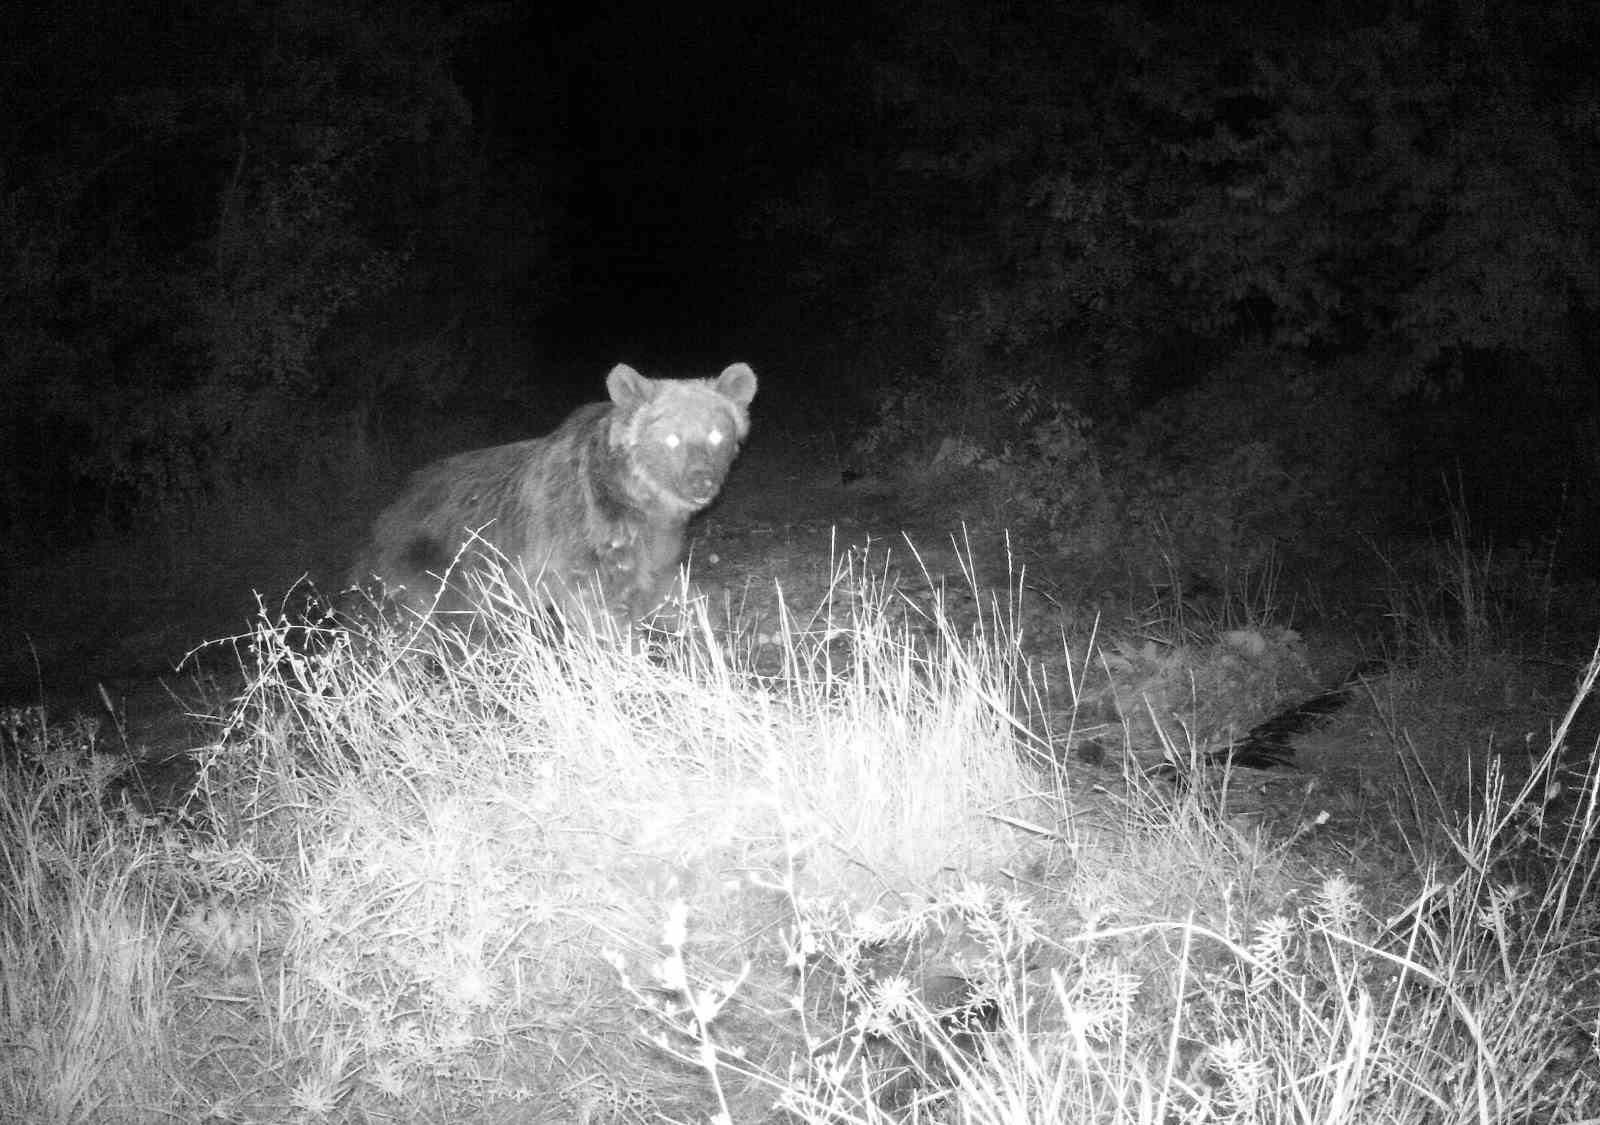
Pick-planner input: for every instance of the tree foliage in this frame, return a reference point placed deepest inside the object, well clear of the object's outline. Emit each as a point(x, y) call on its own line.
point(197, 204)
point(1414, 183)
point(1129, 203)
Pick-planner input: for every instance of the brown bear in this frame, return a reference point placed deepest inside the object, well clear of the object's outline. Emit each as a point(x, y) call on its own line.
point(590, 518)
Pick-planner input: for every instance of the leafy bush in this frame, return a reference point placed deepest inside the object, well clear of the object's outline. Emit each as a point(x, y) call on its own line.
point(1255, 462)
point(1262, 457)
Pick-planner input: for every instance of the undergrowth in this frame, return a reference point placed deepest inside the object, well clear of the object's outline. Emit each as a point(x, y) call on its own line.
point(830, 873)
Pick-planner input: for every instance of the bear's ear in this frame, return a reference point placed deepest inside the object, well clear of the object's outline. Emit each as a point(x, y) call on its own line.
point(737, 383)
point(627, 387)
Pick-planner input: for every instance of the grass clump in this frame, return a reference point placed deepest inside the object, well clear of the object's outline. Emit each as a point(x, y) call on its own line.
point(85, 993)
point(819, 873)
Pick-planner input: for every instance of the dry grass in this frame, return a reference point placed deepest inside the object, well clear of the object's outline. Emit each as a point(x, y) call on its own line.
point(816, 875)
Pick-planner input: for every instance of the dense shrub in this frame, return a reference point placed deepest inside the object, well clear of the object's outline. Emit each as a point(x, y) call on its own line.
point(1253, 463)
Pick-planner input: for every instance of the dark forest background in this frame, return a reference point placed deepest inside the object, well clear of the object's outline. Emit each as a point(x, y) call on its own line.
point(1280, 267)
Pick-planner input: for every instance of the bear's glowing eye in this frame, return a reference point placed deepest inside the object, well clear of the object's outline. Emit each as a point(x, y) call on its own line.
point(673, 441)
point(714, 438)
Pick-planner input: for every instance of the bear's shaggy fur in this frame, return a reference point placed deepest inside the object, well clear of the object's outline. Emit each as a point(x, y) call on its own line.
point(591, 517)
